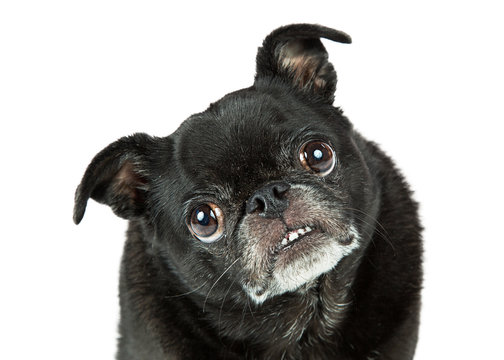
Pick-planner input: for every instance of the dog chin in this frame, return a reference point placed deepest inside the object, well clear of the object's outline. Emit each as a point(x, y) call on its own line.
point(299, 264)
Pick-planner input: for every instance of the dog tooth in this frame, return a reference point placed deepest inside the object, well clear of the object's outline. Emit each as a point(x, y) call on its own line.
point(293, 236)
point(308, 229)
point(301, 232)
point(284, 241)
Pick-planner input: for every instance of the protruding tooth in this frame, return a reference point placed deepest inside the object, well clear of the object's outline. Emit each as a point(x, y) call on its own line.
point(284, 241)
point(308, 229)
point(293, 236)
point(301, 231)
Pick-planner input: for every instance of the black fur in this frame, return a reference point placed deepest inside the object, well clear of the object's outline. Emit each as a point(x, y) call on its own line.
point(185, 299)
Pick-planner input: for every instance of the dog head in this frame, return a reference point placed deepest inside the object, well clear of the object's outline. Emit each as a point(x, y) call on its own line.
point(259, 195)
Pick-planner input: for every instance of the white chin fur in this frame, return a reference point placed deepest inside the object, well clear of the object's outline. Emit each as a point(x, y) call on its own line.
point(299, 272)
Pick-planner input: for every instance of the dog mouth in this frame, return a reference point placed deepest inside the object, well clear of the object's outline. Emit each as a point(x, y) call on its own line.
point(290, 252)
point(298, 256)
point(294, 236)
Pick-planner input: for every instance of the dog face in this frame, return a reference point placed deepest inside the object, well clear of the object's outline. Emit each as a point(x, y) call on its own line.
point(256, 197)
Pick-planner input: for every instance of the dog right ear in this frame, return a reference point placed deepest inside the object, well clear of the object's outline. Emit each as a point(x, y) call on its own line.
point(295, 54)
point(118, 176)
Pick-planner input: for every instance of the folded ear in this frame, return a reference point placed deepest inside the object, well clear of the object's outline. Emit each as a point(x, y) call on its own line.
point(296, 54)
point(118, 177)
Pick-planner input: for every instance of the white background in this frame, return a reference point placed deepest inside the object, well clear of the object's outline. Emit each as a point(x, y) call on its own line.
point(424, 79)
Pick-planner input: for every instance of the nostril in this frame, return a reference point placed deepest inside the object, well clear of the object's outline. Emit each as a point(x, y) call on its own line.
point(279, 189)
point(269, 201)
point(257, 202)
point(260, 203)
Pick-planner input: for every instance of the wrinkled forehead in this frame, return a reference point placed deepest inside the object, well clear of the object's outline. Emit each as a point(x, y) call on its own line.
point(234, 142)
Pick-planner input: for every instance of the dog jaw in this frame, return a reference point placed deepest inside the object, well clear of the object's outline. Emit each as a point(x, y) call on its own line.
point(282, 255)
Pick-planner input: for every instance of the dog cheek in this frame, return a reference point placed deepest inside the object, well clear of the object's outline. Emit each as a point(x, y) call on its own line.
point(259, 238)
point(305, 205)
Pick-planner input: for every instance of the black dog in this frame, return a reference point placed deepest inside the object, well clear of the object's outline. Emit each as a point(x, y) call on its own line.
point(265, 227)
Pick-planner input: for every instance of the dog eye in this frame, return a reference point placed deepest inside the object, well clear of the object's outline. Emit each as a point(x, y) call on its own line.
point(207, 222)
point(318, 157)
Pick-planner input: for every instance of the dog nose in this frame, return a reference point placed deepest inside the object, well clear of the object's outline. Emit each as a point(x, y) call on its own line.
point(269, 201)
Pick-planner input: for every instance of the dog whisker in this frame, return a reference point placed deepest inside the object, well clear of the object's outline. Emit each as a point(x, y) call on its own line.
point(383, 234)
point(250, 309)
point(216, 281)
point(369, 216)
point(187, 293)
point(222, 304)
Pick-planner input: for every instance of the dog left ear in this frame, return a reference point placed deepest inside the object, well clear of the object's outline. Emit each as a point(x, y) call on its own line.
point(296, 54)
point(117, 177)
